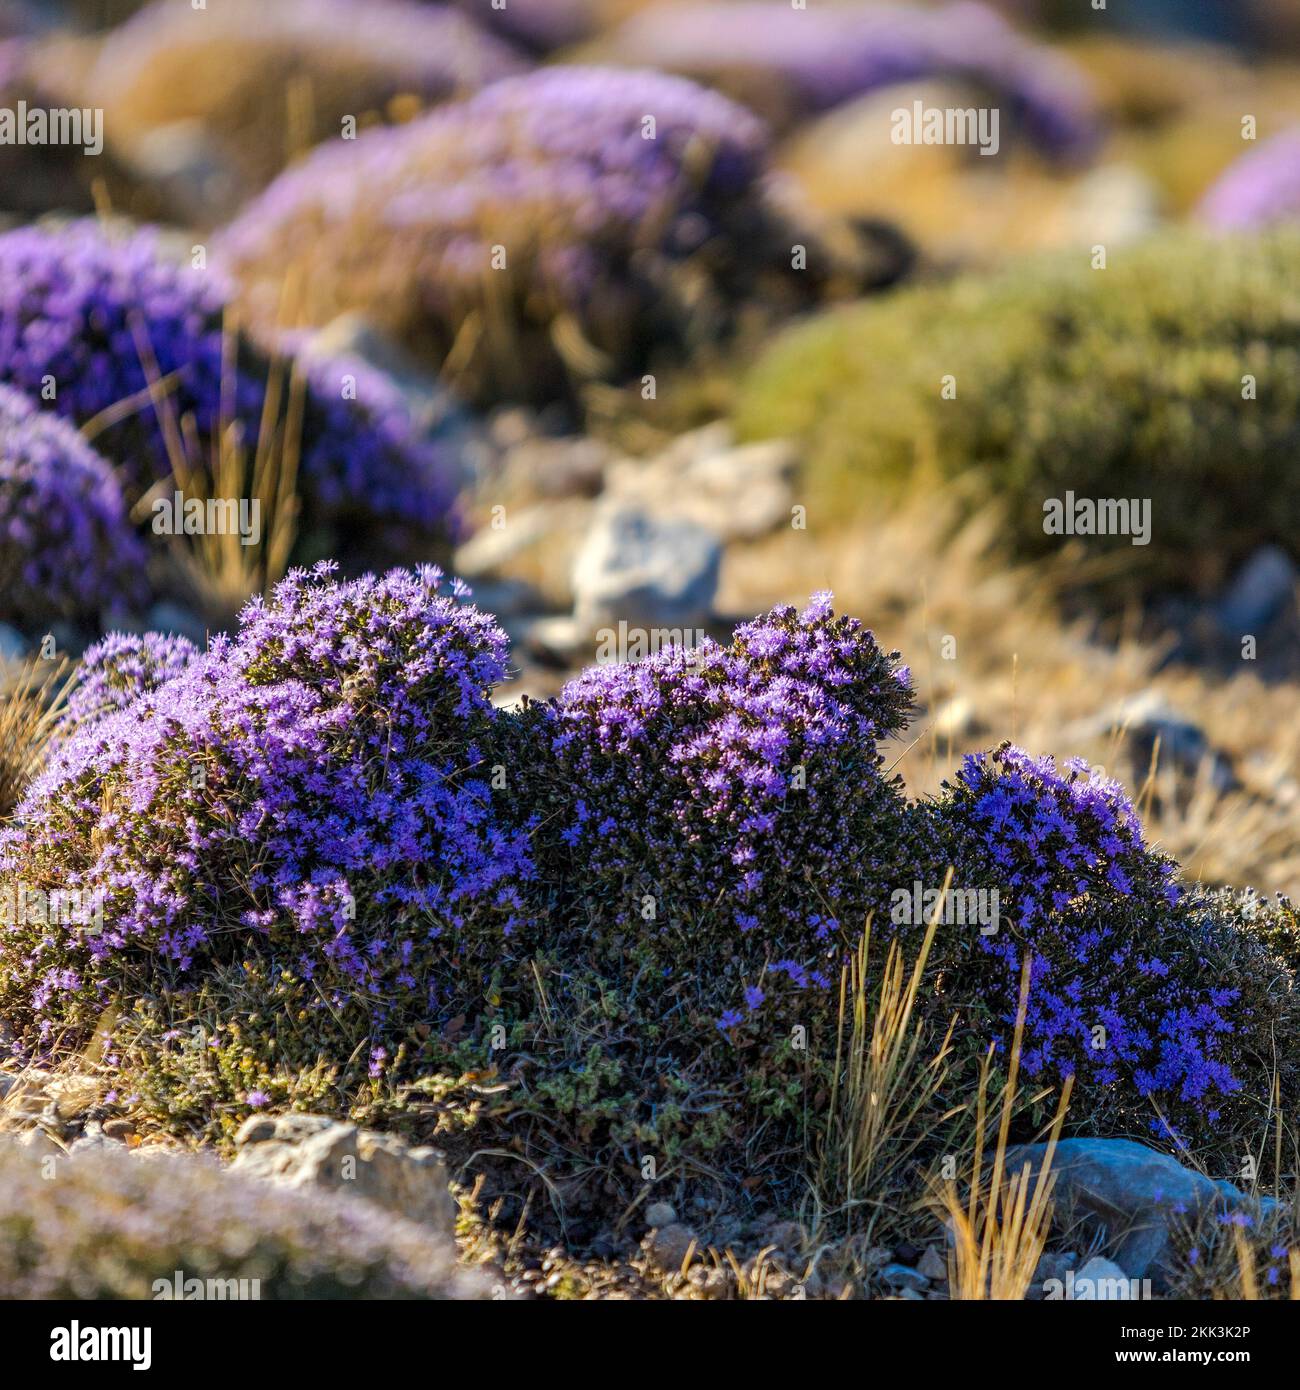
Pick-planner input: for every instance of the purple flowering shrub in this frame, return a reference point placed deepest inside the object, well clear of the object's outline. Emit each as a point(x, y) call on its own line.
point(112, 1226)
point(309, 797)
point(543, 227)
point(1259, 189)
point(1129, 992)
point(67, 549)
point(727, 804)
point(333, 874)
point(83, 309)
point(790, 62)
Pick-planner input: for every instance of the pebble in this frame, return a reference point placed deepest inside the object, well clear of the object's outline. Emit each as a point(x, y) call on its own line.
point(660, 1214)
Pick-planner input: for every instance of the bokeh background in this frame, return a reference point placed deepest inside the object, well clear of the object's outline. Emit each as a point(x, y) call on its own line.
point(453, 300)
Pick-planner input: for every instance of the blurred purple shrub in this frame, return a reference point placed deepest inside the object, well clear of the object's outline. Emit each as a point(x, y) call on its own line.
point(67, 549)
point(547, 206)
point(81, 312)
point(817, 58)
point(1260, 188)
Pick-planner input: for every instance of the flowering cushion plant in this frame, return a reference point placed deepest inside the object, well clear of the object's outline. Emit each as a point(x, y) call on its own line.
point(109, 328)
point(559, 207)
point(728, 804)
point(330, 869)
point(67, 548)
point(1128, 992)
point(310, 791)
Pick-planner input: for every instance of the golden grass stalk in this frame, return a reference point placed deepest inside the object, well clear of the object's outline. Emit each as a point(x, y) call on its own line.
point(884, 1097)
point(31, 703)
point(217, 567)
point(998, 1234)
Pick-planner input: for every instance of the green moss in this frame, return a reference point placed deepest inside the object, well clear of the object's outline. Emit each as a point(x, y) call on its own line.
point(1125, 382)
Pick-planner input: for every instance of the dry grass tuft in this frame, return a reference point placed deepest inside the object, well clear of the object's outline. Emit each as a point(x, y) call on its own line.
point(999, 1232)
point(885, 1097)
point(32, 697)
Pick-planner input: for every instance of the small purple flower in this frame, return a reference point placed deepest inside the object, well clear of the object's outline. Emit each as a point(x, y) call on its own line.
point(1261, 188)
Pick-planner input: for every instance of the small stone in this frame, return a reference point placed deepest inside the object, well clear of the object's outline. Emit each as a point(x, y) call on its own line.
point(666, 1248)
point(1130, 1196)
point(315, 1151)
point(93, 1141)
point(1264, 586)
point(38, 1144)
point(646, 571)
point(719, 1283)
point(1148, 720)
point(1054, 1265)
point(255, 1130)
point(933, 1265)
point(119, 1129)
point(902, 1277)
point(1102, 1279)
point(660, 1214)
point(13, 645)
point(788, 1236)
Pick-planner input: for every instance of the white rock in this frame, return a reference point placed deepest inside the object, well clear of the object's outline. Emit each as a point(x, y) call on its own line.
point(13, 645)
point(646, 571)
point(1102, 1280)
point(314, 1151)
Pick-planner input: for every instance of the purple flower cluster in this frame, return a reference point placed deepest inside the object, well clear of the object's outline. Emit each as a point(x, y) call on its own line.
point(735, 793)
point(1260, 188)
point(67, 549)
point(85, 310)
point(548, 195)
point(821, 57)
point(1117, 993)
point(117, 669)
point(312, 790)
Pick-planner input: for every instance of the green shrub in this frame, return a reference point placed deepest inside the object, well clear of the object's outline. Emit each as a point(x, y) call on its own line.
point(1125, 382)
